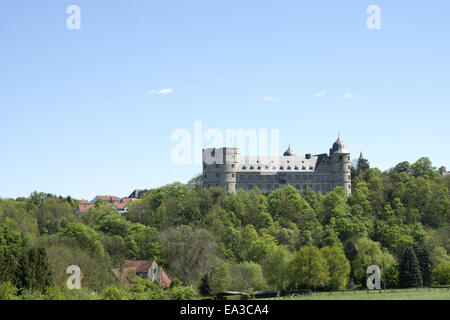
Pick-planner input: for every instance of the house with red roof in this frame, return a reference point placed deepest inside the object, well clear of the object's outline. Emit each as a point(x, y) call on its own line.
point(147, 269)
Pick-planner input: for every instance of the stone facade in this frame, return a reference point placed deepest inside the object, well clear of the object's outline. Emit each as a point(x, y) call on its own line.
point(226, 168)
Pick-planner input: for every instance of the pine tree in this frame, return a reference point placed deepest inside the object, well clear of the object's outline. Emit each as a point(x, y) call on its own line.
point(204, 287)
point(362, 165)
point(426, 266)
point(409, 270)
point(34, 270)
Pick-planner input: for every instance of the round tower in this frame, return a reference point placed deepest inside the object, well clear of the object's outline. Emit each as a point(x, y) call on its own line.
point(340, 158)
point(219, 168)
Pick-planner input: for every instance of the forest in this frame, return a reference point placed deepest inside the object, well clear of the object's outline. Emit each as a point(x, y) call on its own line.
point(209, 242)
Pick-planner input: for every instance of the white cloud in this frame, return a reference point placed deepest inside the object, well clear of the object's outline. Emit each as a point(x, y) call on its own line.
point(162, 91)
point(267, 99)
point(349, 96)
point(320, 94)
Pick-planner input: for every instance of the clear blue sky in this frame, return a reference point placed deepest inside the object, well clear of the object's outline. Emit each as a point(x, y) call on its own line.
point(77, 117)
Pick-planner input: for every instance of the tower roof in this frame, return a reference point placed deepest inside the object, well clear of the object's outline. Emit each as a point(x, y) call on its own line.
point(289, 152)
point(339, 147)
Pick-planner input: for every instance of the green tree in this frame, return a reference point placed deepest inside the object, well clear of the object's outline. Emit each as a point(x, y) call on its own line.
point(275, 267)
point(409, 270)
point(367, 253)
point(8, 291)
point(338, 267)
point(308, 269)
point(34, 270)
point(423, 254)
point(183, 293)
point(441, 274)
point(113, 292)
point(203, 287)
point(423, 168)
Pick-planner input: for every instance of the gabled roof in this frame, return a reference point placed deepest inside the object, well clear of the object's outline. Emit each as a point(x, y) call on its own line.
point(84, 207)
point(108, 198)
point(141, 266)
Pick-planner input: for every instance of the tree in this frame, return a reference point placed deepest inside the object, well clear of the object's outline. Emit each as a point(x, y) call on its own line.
point(146, 289)
point(367, 253)
point(182, 293)
point(34, 270)
point(441, 274)
point(113, 292)
point(426, 266)
point(8, 291)
point(275, 267)
point(423, 168)
point(362, 165)
point(308, 269)
point(338, 267)
point(220, 277)
point(391, 276)
point(204, 287)
point(190, 252)
point(409, 270)
point(247, 277)
point(10, 243)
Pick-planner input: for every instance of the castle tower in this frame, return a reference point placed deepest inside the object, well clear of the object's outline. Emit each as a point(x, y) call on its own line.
point(340, 172)
point(219, 168)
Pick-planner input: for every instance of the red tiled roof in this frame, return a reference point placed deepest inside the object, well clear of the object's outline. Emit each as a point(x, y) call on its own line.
point(126, 200)
point(84, 207)
point(131, 267)
point(84, 201)
point(108, 198)
point(118, 206)
point(165, 279)
point(141, 266)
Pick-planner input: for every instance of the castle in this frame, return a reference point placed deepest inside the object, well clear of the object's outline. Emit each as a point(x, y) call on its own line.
point(224, 167)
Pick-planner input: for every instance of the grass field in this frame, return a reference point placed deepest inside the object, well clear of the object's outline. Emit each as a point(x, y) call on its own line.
point(397, 294)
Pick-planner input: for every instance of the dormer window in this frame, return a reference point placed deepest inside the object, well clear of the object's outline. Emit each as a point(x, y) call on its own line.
point(244, 167)
point(296, 168)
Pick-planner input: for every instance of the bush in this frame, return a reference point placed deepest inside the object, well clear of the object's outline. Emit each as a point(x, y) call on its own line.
point(8, 291)
point(441, 274)
point(183, 293)
point(114, 293)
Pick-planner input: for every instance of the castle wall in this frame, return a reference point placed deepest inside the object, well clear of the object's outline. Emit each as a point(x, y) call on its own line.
point(228, 170)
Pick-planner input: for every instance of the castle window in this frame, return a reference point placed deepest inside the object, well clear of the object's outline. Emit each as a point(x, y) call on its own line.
point(341, 158)
point(296, 168)
point(232, 165)
point(244, 167)
point(289, 168)
point(259, 167)
point(281, 168)
point(348, 157)
point(311, 168)
point(251, 167)
point(303, 168)
point(232, 175)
